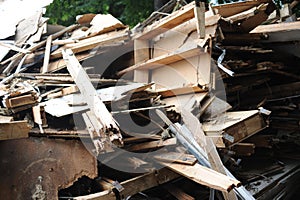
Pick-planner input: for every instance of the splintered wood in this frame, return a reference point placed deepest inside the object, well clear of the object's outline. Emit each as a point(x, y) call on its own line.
point(101, 121)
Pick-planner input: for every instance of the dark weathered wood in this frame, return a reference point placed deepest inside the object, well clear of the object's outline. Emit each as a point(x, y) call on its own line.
point(178, 193)
point(14, 130)
point(244, 149)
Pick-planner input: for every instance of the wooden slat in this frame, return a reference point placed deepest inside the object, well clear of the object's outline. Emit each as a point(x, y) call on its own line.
point(14, 48)
point(47, 54)
point(141, 54)
point(281, 27)
point(65, 91)
point(199, 12)
point(184, 14)
point(90, 43)
point(60, 63)
point(180, 54)
point(135, 185)
point(205, 176)
point(206, 143)
point(247, 14)
point(176, 157)
point(6, 119)
point(180, 91)
point(178, 193)
point(152, 145)
point(230, 9)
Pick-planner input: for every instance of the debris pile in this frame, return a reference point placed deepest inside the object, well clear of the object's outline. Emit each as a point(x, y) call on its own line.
point(201, 103)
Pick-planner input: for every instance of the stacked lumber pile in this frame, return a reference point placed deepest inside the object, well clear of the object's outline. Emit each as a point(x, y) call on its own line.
point(205, 97)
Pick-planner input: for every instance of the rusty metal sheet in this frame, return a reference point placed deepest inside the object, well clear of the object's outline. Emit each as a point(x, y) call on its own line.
point(36, 168)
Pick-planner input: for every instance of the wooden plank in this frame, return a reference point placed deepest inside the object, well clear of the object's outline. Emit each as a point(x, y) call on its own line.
point(135, 185)
point(5, 119)
point(229, 9)
point(14, 130)
point(246, 14)
point(184, 14)
point(187, 102)
point(199, 12)
point(20, 101)
point(37, 117)
point(97, 107)
point(47, 54)
point(180, 91)
point(281, 27)
point(244, 149)
point(65, 91)
point(59, 64)
point(237, 125)
point(141, 54)
point(184, 134)
point(177, 192)
point(90, 43)
point(176, 157)
point(14, 48)
point(205, 176)
point(206, 143)
point(152, 145)
point(180, 54)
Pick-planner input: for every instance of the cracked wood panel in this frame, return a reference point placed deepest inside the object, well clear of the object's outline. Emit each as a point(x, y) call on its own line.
point(59, 163)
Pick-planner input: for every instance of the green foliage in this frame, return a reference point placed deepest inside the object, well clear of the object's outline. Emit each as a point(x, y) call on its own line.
point(130, 12)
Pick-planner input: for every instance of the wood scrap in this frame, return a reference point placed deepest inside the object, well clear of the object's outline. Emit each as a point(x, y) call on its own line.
point(106, 121)
point(26, 28)
point(205, 176)
point(170, 78)
point(102, 23)
point(47, 55)
point(14, 130)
